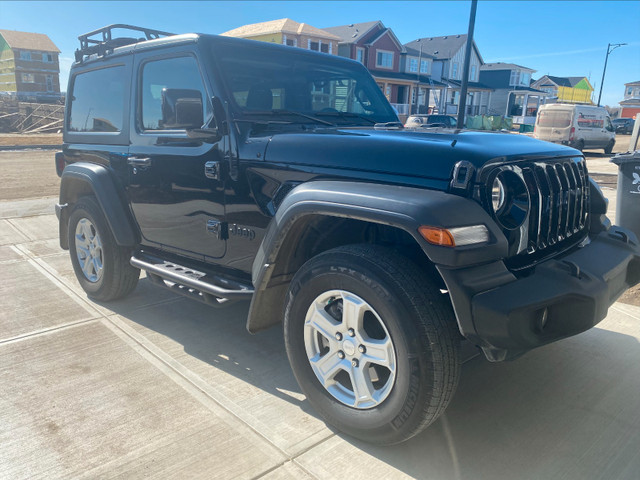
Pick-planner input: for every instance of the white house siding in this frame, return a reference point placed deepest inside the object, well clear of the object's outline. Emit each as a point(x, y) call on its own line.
point(459, 59)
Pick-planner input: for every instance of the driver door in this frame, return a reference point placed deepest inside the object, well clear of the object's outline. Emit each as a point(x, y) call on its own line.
point(175, 183)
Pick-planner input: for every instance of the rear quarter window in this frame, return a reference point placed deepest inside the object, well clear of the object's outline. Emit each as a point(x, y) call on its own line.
point(97, 101)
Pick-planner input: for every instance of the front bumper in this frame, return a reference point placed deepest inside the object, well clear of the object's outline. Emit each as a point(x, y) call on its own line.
point(507, 316)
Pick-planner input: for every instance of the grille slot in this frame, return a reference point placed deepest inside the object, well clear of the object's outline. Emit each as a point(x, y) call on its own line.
point(559, 194)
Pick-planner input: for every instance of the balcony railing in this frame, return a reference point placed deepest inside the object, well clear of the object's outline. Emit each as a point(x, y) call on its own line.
point(402, 108)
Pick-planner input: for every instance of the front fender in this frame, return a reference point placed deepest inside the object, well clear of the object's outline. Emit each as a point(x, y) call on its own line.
point(405, 208)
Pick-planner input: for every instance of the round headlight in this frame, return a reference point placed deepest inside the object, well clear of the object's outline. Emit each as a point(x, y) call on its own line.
point(497, 194)
point(510, 199)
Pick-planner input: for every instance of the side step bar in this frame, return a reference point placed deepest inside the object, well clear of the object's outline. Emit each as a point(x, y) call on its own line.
point(206, 287)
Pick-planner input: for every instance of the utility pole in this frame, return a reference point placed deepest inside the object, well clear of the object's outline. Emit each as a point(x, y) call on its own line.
point(467, 60)
point(604, 70)
point(418, 78)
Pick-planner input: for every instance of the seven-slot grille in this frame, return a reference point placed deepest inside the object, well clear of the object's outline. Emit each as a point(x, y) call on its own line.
point(559, 193)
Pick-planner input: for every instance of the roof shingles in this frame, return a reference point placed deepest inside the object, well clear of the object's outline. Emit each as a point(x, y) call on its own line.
point(283, 25)
point(29, 41)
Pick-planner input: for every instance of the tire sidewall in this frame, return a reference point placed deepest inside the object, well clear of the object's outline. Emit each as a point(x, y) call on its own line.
point(412, 371)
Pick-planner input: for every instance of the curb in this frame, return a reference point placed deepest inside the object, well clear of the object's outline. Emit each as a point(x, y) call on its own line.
point(30, 147)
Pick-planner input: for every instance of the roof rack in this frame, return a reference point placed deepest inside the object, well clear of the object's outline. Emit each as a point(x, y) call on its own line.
point(104, 46)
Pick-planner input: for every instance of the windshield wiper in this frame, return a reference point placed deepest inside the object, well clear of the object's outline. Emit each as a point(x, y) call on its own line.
point(345, 115)
point(288, 112)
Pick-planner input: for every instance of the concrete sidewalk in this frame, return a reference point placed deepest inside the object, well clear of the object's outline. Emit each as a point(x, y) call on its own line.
point(163, 387)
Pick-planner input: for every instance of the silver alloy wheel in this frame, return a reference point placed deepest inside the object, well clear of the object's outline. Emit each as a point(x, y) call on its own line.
point(350, 349)
point(89, 250)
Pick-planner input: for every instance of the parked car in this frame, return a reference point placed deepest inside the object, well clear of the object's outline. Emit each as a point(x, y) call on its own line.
point(579, 126)
point(431, 121)
point(623, 125)
point(230, 170)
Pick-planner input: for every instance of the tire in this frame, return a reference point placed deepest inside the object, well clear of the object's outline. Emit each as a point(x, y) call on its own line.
point(579, 145)
point(609, 148)
point(406, 323)
point(107, 273)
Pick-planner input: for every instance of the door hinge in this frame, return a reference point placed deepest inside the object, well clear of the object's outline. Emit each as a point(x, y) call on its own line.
point(217, 228)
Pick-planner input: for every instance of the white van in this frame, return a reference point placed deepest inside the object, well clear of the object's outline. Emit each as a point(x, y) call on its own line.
point(580, 126)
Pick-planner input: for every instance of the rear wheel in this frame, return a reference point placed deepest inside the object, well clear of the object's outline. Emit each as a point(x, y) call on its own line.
point(579, 145)
point(372, 342)
point(101, 266)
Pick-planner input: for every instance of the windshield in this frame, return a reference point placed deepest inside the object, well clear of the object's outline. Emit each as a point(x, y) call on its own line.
point(268, 82)
point(556, 119)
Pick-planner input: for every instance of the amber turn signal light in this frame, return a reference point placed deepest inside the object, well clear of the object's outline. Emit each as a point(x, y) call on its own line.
point(437, 236)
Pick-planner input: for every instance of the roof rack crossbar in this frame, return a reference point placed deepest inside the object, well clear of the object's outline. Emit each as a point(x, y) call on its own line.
point(106, 44)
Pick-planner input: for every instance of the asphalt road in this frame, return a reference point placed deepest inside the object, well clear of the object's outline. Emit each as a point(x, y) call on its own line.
point(157, 386)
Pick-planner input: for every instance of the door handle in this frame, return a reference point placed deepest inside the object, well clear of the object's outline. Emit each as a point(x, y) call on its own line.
point(139, 161)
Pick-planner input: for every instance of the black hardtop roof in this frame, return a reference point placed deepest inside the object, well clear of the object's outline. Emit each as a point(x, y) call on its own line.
point(180, 39)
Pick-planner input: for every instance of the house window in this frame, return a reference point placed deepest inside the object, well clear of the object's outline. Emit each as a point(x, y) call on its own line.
point(525, 78)
point(384, 59)
point(315, 46)
point(360, 54)
point(424, 66)
point(515, 78)
point(454, 73)
point(25, 56)
point(324, 47)
point(413, 65)
point(47, 58)
point(629, 90)
point(291, 42)
point(472, 75)
point(27, 78)
point(49, 80)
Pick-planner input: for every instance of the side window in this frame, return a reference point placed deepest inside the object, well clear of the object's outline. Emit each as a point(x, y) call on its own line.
point(97, 101)
point(178, 78)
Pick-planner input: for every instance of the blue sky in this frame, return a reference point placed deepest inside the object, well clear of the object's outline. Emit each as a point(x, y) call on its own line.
point(559, 38)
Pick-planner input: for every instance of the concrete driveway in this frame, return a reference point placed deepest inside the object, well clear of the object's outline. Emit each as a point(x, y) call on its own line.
point(163, 387)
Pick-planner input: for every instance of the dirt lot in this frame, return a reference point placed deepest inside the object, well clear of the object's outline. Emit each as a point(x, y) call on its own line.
point(10, 139)
point(28, 174)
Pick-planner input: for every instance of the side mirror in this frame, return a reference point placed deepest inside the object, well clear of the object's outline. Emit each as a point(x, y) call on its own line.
point(181, 109)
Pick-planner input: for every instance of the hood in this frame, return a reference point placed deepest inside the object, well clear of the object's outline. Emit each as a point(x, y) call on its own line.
point(404, 152)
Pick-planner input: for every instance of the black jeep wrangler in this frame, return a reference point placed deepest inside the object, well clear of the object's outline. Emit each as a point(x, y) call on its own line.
point(231, 170)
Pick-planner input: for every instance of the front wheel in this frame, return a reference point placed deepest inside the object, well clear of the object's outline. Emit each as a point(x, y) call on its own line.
point(609, 148)
point(372, 342)
point(101, 266)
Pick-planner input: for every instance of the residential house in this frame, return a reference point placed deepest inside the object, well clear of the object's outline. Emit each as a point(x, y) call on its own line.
point(418, 64)
point(29, 66)
point(565, 89)
point(377, 47)
point(448, 63)
point(512, 94)
point(289, 32)
point(631, 102)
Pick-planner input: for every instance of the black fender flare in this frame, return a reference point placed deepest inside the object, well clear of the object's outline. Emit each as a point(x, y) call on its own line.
point(406, 208)
point(84, 178)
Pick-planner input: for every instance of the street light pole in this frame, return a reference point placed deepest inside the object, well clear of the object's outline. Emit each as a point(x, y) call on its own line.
point(467, 59)
point(604, 71)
